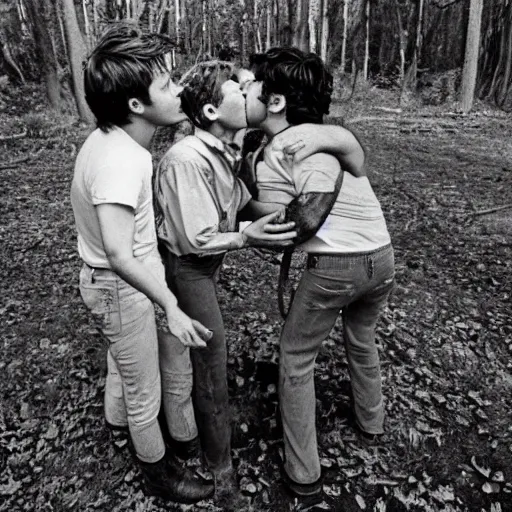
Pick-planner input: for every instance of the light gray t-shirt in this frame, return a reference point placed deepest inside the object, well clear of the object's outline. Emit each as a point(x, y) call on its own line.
point(112, 168)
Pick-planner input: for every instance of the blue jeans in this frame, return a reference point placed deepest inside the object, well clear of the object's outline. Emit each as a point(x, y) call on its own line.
point(193, 280)
point(133, 389)
point(358, 285)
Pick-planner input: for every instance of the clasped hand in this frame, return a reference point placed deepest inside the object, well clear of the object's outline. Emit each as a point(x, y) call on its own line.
point(270, 231)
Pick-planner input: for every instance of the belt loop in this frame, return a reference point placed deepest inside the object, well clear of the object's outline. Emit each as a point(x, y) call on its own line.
point(92, 275)
point(370, 265)
point(312, 261)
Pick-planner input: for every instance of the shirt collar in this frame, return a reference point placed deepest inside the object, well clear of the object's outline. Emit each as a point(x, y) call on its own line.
point(209, 139)
point(231, 152)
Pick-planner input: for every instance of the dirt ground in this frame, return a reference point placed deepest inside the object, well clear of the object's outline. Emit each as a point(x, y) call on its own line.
point(445, 339)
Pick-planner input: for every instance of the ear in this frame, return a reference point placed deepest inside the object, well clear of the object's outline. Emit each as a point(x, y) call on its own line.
point(136, 106)
point(276, 104)
point(210, 112)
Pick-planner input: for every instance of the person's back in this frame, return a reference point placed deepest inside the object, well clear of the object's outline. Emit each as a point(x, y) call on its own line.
point(355, 222)
point(350, 264)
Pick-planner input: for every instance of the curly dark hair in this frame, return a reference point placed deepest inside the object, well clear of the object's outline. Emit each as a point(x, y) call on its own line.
point(122, 66)
point(301, 78)
point(202, 85)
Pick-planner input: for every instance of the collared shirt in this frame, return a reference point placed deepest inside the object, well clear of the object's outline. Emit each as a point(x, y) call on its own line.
point(198, 196)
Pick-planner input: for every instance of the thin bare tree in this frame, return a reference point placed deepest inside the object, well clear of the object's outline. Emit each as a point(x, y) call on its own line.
point(470, 69)
point(40, 15)
point(325, 30)
point(344, 36)
point(367, 41)
point(77, 53)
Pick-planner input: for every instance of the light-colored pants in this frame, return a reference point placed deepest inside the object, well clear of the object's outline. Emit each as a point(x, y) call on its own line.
point(127, 319)
point(358, 285)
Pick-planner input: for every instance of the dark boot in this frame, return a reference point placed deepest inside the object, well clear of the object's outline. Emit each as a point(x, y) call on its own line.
point(170, 480)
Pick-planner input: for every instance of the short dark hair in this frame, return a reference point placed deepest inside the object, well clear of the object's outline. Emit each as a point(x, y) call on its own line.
point(122, 66)
point(202, 85)
point(301, 78)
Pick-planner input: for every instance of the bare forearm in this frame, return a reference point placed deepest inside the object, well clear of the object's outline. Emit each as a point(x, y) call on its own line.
point(344, 145)
point(136, 274)
point(308, 139)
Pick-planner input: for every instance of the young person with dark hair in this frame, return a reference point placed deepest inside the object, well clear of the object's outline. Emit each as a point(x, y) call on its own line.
point(199, 200)
point(130, 91)
point(350, 264)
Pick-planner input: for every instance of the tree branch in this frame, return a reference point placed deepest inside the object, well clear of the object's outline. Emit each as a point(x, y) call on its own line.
point(443, 4)
point(13, 137)
point(13, 163)
point(491, 210)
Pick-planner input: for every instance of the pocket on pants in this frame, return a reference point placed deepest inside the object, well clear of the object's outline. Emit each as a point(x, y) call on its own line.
point(102, 299)
point(329, 290)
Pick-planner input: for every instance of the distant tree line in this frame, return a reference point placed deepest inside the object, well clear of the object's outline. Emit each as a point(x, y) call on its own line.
point(395, 41)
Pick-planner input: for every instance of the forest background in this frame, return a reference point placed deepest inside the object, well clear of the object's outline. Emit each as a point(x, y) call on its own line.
point(461, 43)
point(427, 86)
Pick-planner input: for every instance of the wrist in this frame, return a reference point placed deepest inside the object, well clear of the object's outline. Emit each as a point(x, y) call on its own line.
point(171, 305)
point(243, 241)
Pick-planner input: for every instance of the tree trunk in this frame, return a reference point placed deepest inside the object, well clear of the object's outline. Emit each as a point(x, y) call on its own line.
point(58, 9)
point(412, 72)
point(22, 17)
point(313, 24)
point(502, 94)
point(39, 18)
point(470, 69)
point(344, 36)
point(203, 27)
point(88, 39)
point(403, 43)
point(95, 28)
point(177, 19)
point(300, 26)
point(269, 24)
point(367, 42)
point(277, 23)
point(258, 45)
point(77, 54)
point(6, 52)
point(325, 30)
point(419, 31)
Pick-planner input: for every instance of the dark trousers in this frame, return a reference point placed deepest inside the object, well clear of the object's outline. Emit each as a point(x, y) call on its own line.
point(193, 280)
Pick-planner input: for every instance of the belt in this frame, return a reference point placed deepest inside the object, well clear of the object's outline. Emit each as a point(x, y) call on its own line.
point(196, 258)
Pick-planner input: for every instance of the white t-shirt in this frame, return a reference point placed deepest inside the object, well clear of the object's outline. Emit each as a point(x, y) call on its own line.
point(112, 168)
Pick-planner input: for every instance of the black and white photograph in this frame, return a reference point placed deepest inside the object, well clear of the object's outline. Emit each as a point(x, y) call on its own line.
point(256, 255)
